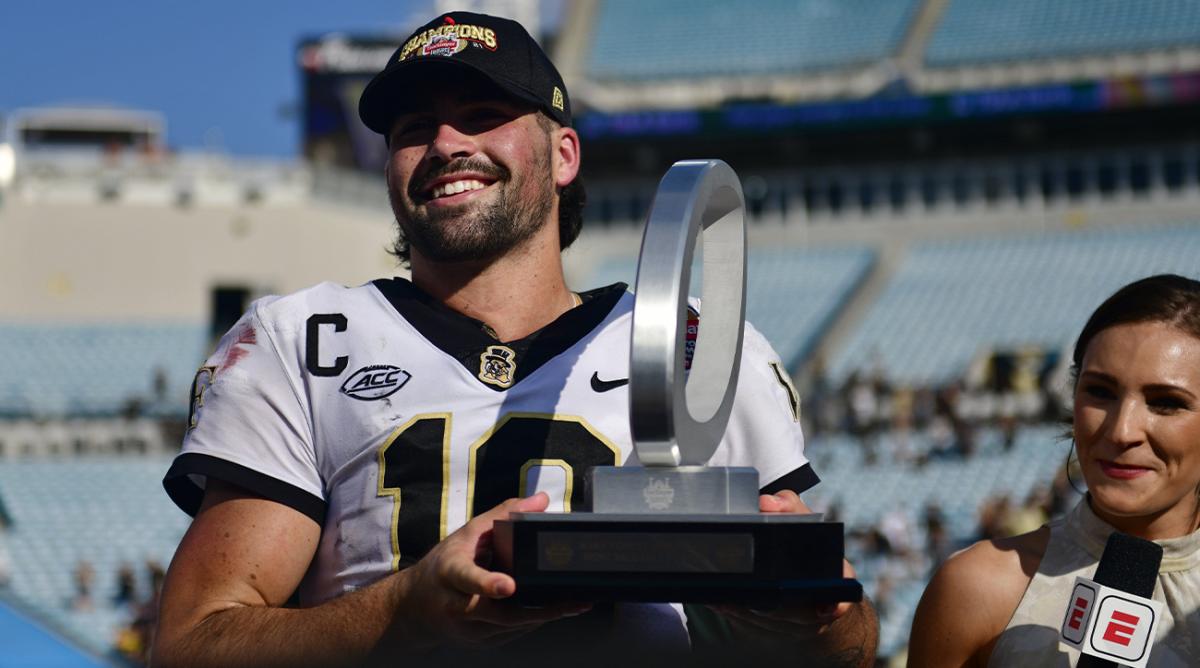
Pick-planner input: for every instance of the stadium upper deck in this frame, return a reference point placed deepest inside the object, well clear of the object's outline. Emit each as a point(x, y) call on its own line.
point(624, 55)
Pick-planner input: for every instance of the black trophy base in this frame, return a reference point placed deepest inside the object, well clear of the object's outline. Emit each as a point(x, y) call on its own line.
point(760, 560)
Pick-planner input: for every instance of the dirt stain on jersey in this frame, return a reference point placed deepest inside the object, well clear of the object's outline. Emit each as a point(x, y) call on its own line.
point(243, 336)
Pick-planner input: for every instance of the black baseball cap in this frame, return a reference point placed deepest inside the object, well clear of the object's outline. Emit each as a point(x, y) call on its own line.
point(499, 49)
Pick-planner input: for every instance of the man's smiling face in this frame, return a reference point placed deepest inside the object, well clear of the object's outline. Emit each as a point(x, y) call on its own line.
point(469, 177)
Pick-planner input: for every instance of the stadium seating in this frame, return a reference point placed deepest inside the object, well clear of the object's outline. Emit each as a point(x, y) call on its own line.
point(55, 370)
point(106, 510)
point(974, 32)
point(959, 487)
point(791, 295)
point(950, 300)
point(646, 41)
point(112, 510)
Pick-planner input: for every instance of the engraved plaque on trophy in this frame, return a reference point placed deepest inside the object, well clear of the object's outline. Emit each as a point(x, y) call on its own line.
point(669, 528)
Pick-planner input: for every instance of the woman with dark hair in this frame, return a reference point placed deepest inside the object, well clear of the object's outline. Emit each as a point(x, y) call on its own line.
point(1136, 427)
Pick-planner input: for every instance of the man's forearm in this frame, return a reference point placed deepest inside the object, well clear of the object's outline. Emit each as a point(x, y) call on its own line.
point(348, 630)
point(848, 642)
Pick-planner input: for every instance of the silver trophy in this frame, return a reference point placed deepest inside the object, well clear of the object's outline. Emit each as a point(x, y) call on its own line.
point(677, 418)
point(669, 528)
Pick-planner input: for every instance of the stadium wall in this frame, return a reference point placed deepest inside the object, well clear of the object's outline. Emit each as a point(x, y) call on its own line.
point(105, 262)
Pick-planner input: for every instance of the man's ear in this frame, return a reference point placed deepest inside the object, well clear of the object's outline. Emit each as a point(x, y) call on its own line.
point(566, 156)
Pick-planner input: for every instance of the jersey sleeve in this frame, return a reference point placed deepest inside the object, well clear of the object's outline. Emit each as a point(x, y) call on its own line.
point(249, 425)
point(764, 427)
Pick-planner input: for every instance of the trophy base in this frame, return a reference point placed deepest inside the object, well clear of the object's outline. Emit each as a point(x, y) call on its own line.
point(761, 560)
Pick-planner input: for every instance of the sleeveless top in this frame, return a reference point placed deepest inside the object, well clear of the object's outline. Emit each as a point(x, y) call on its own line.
point(1076, 543)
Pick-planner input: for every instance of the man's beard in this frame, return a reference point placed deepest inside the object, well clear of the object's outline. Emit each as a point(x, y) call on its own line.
point(476, 231)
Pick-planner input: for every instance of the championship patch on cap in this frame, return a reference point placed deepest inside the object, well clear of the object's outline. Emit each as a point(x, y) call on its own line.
point(448, 39)
point(497, 49)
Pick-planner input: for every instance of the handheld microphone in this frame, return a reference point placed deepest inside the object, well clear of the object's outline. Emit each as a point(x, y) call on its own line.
point(1111, 619)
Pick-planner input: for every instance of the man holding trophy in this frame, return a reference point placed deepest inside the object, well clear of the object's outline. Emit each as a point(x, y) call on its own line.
point(437, 468)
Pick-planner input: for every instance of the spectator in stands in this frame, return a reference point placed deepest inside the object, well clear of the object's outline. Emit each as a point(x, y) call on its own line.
point(1008, 432)
point(897, 441)
point(134, 641)
point(1029, 516)
point(85, 577)
point(1062, 494)
point(834, 512)
point(862, 403)
point(938, 545)
point(5, 561)
point(993, 517)
point(924, 405)
point(1136, 425)
point(126, 586)
point(896, 527)
point(941, 438)
point(822, 410)
point(884, 594)
point(875, 543)
point(161, 386)
point(128, 646)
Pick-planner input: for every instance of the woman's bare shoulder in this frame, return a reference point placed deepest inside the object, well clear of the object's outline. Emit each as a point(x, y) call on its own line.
point(971, 597)
point(1015, 558)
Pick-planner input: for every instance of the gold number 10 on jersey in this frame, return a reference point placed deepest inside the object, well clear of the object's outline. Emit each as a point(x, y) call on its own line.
point(417, 455)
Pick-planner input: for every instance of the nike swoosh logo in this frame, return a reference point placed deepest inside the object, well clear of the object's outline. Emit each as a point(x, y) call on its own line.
point(606, 385)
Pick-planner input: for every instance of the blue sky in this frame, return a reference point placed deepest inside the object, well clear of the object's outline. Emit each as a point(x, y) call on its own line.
point(219, 70)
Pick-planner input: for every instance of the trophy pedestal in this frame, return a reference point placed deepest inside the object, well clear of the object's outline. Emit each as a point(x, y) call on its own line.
point(762, 560)
point(674, 490)
point(687, 534)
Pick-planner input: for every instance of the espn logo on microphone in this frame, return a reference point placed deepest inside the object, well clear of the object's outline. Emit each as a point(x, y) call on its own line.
point(1110, 624)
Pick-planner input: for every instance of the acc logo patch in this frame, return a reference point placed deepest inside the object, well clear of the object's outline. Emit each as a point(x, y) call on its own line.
point(375, 382)
point(498, 366)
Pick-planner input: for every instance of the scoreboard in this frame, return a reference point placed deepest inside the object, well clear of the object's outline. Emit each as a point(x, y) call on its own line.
point(334, 70)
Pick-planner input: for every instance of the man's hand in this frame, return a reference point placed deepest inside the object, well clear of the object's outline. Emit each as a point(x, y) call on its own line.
point(843, 634)
point(453, 596)
point(788, 501)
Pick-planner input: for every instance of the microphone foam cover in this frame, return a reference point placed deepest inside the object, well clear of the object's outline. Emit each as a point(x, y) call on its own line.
point(1130, 564)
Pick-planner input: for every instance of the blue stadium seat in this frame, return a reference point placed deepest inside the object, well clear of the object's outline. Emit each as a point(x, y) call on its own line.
point(975, 32)
point(56, 370)
point(864, 494)
point(706, 38)
point(950, 300)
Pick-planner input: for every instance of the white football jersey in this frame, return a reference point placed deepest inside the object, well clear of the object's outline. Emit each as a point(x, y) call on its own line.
point(391, 420)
